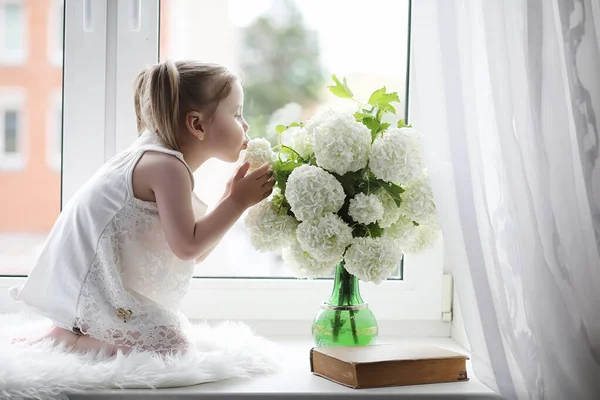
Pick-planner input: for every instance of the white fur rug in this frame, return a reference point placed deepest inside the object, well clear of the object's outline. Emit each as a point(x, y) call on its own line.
point(44, 371)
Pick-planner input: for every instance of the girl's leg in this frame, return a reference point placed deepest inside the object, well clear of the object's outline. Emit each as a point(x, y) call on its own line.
point(86, 343)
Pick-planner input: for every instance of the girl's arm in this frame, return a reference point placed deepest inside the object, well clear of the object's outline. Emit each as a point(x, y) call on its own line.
point(205, 255)
point(189, 239)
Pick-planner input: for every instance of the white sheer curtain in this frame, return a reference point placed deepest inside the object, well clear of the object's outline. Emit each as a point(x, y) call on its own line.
point(507, 94)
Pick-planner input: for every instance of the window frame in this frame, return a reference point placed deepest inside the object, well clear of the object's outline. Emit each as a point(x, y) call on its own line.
point(17, 56)
point(94, 80)
point(54, 136)
point(55, 25)
point(13, 98)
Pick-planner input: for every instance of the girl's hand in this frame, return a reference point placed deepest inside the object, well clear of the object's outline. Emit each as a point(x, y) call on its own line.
point(247, 190)
point(231, 180)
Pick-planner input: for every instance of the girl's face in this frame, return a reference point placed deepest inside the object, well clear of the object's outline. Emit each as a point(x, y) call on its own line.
point(226, 132)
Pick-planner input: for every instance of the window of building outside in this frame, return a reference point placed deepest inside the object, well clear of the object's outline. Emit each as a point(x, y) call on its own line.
point(12, 140)
point(12, 32)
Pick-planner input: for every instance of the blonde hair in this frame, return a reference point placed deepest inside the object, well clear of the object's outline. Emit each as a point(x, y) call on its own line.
point(166, 92)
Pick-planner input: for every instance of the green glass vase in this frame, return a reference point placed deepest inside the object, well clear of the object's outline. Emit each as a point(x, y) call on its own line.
point(345, 319)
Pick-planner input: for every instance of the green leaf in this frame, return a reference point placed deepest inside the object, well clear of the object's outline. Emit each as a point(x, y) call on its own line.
point(350, 182)
point(289, 166)
point(375, 126)
point(360, 116)
point(371, 230)
point(382, 100)
point(283, 128)
point(372, 124)
point(393, 190)
point(340, 89)
point(282, 170)
point(386, 107)
point(402, 124)
point(387, 98)
point(383, 127)
point(376, 96)
point(286, 150)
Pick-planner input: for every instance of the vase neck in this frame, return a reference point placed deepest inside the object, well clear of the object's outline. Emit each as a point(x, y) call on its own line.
point(345, 288)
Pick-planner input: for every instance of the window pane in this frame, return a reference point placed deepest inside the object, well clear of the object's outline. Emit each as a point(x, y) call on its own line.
point(13, 26)
point(32, 201)
point(287, 51)
point(11, 132)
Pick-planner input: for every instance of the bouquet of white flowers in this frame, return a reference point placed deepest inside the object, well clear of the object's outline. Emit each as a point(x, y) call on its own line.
point(351, 188)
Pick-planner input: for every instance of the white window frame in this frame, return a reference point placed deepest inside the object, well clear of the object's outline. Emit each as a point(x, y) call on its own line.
point(54, 118)
point(13, 98)
point(17, 56)
point(55, 51)
point(100, 65)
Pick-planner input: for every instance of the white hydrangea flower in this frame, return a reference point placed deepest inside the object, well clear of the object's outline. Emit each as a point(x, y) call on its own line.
point(313, 124)
point(302, 142)
point(304, 265)
point(412, 238)
point(372, 259)
point(391, 212)
point(417, 201)
point(312, 191)
point(425, 239)
point(365, 209)
point(397, 155)
point(268, 229)
point(341, 144)
point(325, 238)
point(258, 152)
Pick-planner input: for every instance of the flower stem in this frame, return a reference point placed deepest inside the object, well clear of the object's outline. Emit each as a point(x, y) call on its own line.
point(345, 292)
point(353, 327)
point(283, 146)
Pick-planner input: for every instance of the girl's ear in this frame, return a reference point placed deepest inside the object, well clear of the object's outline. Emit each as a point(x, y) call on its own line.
point(194, 122)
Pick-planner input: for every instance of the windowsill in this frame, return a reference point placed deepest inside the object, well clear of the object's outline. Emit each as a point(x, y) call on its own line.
point(12, 60)
point(11, 164)
point(296, 378)
point(56, 59)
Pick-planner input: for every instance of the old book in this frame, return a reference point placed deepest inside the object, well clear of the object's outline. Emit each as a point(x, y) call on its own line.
point(388, 365)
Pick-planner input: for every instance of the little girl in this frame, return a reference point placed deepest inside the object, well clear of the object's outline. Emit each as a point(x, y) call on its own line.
point(119, 260)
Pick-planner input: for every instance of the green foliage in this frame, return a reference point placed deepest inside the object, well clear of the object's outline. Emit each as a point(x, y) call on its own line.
point(370, 114)
point(282, 170)
point(393, 190)
point(402, 124)
point(381, 100)
point(371, 230)
point(282, 128)
point(340, 89)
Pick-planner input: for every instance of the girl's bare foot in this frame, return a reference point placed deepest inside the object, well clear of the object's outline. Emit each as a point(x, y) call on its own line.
point(79, 343)
point(55, 333)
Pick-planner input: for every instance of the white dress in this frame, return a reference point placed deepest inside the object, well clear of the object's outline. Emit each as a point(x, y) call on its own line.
point(106, 269)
